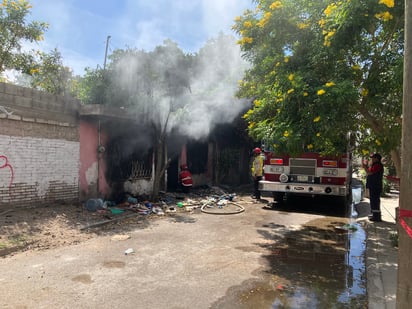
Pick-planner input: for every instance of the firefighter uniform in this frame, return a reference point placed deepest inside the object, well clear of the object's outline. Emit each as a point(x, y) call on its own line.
point(257, 171)
point(374, 184)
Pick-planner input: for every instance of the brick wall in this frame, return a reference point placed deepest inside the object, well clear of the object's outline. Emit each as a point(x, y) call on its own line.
point(39, 148)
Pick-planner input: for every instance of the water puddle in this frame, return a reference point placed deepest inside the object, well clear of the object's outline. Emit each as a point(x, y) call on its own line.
point(320, 265)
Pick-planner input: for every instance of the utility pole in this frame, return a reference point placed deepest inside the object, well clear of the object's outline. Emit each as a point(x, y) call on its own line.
point(404, 287)
point(105, 54)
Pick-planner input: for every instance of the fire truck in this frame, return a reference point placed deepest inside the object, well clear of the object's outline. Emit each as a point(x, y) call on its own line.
point(309, 173)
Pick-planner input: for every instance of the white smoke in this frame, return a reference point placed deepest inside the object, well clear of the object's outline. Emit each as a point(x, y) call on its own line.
point(209, 98)
point(213, 100)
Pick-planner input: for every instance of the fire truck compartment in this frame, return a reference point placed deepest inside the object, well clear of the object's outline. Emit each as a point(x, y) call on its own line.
point(303, 188)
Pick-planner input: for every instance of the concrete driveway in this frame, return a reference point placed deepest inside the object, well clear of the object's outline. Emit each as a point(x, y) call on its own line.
point(179, 261)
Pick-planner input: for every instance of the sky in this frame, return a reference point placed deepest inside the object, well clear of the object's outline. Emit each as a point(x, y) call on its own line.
point(79, 29)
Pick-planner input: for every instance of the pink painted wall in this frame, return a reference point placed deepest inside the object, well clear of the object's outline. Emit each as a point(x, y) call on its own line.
point(93, 182)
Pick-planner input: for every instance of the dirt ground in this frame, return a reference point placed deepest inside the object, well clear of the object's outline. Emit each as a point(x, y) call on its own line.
point(45, 227)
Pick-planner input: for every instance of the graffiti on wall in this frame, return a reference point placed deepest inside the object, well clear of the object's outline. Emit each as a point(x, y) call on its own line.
point(5, 166)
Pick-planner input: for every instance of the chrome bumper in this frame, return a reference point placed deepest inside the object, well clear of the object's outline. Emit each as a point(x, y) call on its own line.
point(303, 188)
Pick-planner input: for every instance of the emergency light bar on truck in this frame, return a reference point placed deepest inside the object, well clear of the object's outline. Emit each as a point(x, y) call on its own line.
point(309, 173)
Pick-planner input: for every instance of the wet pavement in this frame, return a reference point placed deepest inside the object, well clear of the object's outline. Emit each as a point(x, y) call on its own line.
point(307, 254)
point(320, 264)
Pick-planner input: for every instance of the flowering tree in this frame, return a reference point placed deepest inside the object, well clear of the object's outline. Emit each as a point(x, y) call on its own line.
point(321, 69)
point(14, 31)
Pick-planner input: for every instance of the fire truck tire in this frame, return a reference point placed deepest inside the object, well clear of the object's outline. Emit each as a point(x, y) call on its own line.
point(278, 197)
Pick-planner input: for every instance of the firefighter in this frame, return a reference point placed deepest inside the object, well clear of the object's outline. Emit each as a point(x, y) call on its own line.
point(185, 178)
point(374, 184)
point(257, 171)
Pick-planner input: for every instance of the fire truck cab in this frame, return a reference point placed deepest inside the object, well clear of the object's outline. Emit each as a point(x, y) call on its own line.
point(310, 173)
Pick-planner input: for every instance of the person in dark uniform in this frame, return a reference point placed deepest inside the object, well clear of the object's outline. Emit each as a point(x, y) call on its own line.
point(374, 184)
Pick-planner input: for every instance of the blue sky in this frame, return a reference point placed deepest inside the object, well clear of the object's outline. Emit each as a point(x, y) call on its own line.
point(79, 28)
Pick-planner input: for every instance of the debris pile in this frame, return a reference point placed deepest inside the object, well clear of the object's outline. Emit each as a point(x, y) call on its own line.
point(212, 200)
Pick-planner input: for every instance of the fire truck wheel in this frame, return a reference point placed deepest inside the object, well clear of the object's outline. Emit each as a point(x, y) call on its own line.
point(278, 197)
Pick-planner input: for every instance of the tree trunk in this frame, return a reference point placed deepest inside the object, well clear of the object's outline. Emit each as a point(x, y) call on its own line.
point(159, 166)
point(404, 287)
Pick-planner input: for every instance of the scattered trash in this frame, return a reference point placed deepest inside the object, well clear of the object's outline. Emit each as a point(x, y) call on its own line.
point(129, 251)
point(116, 211)
point(157, 210)
point(148, 205)
point(94, 204)
point(171, 209)
point(180, 204)
point(132, 200)
point(222, 203)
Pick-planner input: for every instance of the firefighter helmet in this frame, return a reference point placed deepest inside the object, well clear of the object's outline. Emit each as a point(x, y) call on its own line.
point(257, 150)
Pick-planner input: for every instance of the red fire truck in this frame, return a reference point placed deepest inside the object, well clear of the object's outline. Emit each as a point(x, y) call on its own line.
point(307, 174)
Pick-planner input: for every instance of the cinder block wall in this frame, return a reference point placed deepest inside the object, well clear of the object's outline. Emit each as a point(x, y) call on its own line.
point(39, 147)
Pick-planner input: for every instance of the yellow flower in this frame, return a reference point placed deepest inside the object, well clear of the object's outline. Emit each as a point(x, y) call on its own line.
point(286, 134)
point(291, 77)
point(318, 134)
point(305, 94)
point(364, 92)
point(275, 5)
point(264, 19)
point(378, 142)
point(331, 33)
point(238, 19)
point(286, 59)
point(322, 22)
point(330, 84)
point(321, 92)
point(275, 145)
point(257, 103)
point(310, 146)
point(356, 67)
point(385, 16)
point(251, 125)
point(279, 100)
point(329, 9)
point(388, 3)
point(290, 91)
point(277, 64)
point(365, 152)
point(316, 119)
point(248, 113)
point(247, 24)
point(245, 40)
point(302, 25)
point(34, 71)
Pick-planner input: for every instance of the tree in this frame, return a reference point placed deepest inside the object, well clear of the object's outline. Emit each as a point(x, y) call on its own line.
point(14, 32)
point(92, 87)
point(321, 69)
point(49, 74)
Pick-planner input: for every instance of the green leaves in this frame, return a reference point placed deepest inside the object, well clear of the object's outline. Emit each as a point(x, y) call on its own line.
point(14, 30)
point(339, 63)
